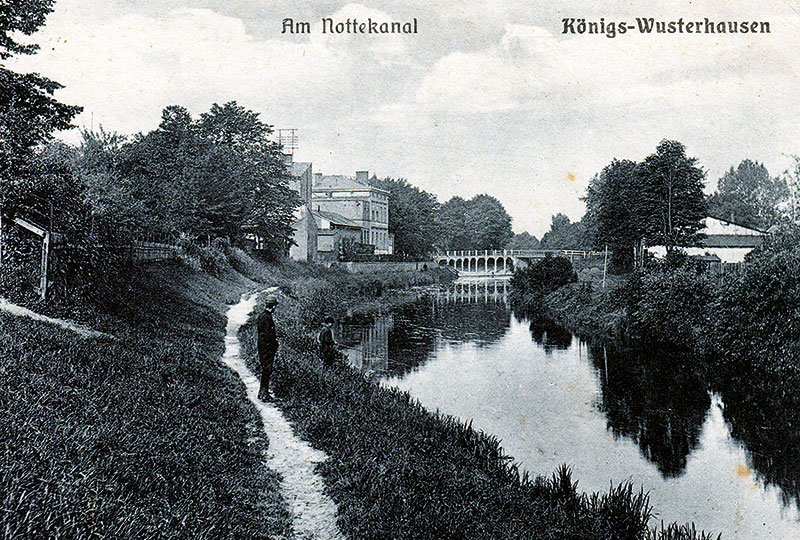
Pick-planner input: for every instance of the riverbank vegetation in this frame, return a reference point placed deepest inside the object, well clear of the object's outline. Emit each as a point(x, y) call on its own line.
point(146, 435)
point(126, 438)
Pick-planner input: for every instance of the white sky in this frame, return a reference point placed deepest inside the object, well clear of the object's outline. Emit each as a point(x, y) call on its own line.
point(489, 97)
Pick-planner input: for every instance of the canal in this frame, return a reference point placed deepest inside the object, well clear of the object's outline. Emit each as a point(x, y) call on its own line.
point(553, 398)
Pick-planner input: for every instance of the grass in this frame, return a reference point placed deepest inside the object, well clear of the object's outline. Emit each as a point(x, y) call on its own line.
point(585, 308)
point(145, 436)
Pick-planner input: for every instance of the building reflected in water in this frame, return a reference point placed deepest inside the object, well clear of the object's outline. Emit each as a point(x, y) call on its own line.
point(365, 342)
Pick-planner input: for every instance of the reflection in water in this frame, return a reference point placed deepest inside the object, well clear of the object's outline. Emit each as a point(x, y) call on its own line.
point(399, 342)
point(767, 420)
point(550, 336)
point(653, 402)
point(731, 467)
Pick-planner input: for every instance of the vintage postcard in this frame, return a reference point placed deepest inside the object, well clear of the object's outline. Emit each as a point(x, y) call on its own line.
point(384, 269)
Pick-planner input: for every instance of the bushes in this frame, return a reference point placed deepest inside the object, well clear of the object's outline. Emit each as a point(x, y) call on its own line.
point(667, 306)
point(530, 285)
point(757, 317)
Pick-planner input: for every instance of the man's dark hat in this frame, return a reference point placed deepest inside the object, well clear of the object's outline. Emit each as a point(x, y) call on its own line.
point(271, 300)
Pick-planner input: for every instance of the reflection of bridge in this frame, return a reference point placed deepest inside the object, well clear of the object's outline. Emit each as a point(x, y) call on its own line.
point(476, 290)
point(501, 262)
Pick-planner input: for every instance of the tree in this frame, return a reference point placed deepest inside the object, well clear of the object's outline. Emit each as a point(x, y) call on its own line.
point(220, 175)
point(564, 234)
point(530, 285)
point(261, 171)
point(792, 179)
point(412, 217)
point(673, 203)
point(28, 113)
point(614, 212)
point(480, 223)
point(491, 223)
point(748, 196)
point(656, 202)
point(452, 221)
point(524, 240)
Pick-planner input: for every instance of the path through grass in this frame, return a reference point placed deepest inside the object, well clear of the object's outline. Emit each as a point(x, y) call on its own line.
point(313, 513)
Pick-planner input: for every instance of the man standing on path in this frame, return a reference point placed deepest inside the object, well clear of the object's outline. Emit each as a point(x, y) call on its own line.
point(327, 346)
point(267, 345)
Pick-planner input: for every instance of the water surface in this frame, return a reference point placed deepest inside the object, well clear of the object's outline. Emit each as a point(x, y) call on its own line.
point(552, 398)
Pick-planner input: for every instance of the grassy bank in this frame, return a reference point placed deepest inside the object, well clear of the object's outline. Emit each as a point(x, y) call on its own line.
point(143, 436)
point(397, 470)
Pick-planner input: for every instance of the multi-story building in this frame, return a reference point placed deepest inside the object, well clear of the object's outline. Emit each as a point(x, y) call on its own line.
point(358, 201)
point(304, 245)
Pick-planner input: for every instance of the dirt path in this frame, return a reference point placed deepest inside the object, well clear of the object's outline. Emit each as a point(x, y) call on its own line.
point(313, 513)
point(79, 329)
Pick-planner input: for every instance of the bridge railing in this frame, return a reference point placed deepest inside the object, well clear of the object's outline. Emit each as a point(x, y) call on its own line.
point(519, 253)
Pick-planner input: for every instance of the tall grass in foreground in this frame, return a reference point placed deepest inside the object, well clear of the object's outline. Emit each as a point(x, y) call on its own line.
point(143, 437)
point(398, 471)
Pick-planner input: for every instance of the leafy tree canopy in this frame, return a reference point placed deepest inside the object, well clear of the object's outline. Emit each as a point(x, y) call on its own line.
point(524, 240)
point(749, 196)
point(673, 201)
point(656, 202)
point(412, 216)
point(21, 17)
point(28, 113)
point(220, 175)
point(564, 234)
point(478, 223)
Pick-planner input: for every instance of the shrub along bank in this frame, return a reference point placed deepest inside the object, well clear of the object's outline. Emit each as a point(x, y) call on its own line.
point(750, 321)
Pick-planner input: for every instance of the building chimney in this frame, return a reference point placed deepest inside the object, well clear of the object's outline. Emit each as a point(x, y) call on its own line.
point(317, 178)
point(362, 177)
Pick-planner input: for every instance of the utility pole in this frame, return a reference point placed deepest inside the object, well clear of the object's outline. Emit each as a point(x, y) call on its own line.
point(605, 266)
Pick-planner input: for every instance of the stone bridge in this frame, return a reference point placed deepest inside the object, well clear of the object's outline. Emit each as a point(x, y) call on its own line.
point(500, 262)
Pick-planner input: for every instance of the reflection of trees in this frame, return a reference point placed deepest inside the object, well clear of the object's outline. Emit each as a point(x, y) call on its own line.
point(655, 401)
point(480, 322)
point(416, 327)
point(550, 336)
point(763, 412)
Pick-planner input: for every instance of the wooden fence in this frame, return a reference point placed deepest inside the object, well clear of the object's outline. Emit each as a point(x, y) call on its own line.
point(143, 251)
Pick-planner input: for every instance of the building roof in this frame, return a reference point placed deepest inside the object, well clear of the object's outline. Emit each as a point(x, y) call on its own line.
point(731, 240)
point(705, 258)
point(334, 219)
point(339, 181)
point(713, 226)
point(298, 168)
